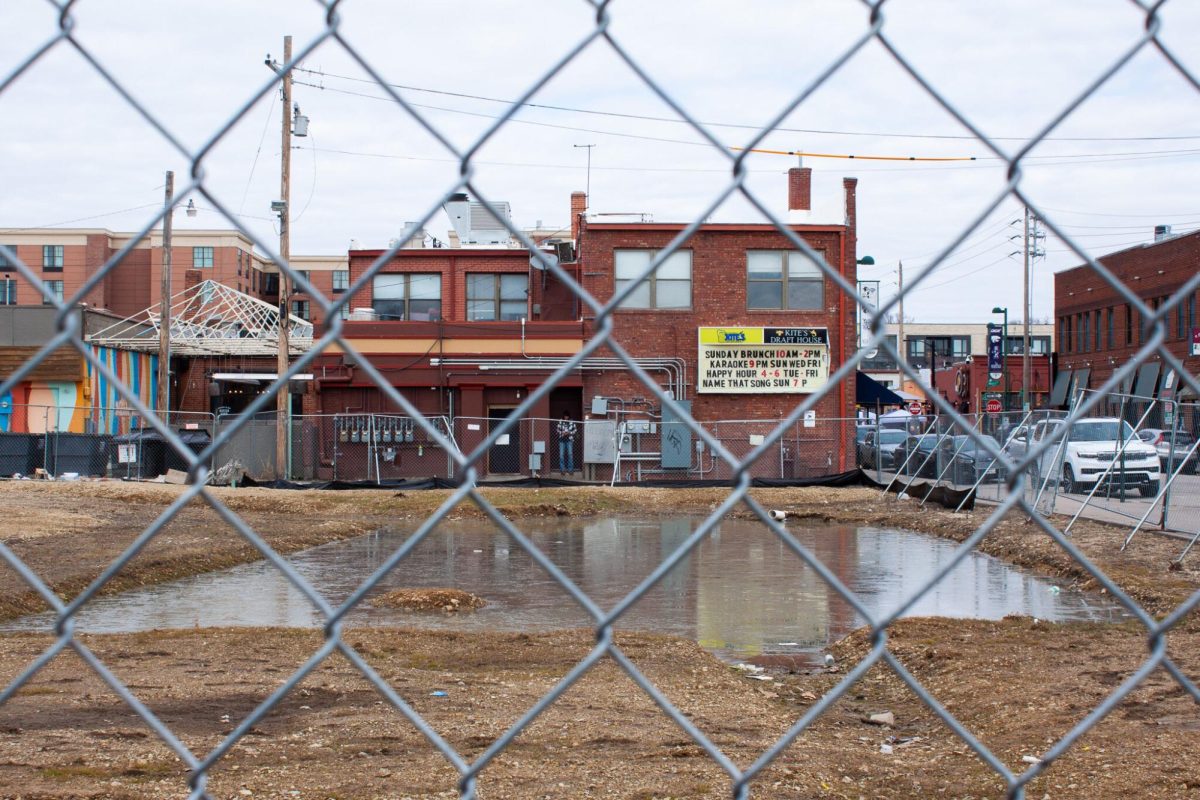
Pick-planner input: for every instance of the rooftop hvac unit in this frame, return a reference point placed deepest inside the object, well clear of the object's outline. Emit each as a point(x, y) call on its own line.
point(565, 251)
point(363, 315)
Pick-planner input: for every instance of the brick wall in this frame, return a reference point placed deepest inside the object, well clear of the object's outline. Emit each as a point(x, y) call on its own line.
point(452, 264)
point(719, 297)
point(1153, 272)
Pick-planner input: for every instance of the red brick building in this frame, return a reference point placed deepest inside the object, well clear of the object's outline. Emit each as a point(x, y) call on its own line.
point(470, 332)
point(1098, 330)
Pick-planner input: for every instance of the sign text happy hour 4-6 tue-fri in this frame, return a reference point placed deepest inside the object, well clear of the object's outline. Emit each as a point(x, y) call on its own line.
point(762, 360)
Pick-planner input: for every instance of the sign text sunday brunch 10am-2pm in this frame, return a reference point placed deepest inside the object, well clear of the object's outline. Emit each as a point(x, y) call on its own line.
point(762, 360)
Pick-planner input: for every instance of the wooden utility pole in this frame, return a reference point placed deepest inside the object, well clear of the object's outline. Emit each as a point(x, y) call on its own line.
point(283, 397)
point(162, 402)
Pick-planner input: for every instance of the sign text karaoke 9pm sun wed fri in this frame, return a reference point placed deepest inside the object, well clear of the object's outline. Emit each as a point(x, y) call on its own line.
point(741, 360)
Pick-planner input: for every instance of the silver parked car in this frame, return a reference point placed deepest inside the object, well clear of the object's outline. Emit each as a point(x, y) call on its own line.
point(1162, 441)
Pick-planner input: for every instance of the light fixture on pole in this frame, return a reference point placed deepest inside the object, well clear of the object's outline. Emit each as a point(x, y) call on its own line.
point(191, 208)
point(1004, 351)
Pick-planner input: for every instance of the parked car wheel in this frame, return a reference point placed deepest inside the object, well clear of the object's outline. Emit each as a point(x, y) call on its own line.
point(1069, 484)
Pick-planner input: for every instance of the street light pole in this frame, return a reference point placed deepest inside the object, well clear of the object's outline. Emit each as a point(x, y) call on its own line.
point(1004, 354)
point(162, 402)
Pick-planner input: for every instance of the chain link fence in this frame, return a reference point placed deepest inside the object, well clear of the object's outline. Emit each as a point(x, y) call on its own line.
point(1028, 479)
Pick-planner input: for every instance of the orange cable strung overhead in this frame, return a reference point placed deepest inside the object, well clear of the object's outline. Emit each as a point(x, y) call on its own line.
point(855, 157)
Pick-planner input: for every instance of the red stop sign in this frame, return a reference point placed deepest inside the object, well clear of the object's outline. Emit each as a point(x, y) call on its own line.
point(914, 407)
point(993, 406)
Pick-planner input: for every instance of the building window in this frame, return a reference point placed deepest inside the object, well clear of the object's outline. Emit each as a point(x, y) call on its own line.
point(946, 349)
point(300, 309)
point(493, 296)
point(1038, 345)
point(239, 262)
point(56, 291)
point(409, 295)
point(202, 257)
point(1109, 332)
point(344, 312)
point(783, 279)
point(1065, 332)
point(1128, 324)
point(341, 280)
point(669, 286)
point(3, 261)
point(52, 256)
point(304, 273)
point(8, 292)
point(1191, 318)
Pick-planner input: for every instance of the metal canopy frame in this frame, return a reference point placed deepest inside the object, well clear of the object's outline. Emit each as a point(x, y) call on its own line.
point(209, 319)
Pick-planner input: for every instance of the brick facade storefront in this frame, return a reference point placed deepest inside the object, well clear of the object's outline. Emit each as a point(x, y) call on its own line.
point(1097, 329)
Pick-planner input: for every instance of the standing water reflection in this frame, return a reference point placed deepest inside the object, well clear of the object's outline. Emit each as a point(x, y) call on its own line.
point(741, 593)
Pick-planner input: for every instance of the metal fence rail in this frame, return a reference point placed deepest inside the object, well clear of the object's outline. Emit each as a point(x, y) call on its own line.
point(732, 451)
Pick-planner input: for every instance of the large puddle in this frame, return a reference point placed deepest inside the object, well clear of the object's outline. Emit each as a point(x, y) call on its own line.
point(742, 593)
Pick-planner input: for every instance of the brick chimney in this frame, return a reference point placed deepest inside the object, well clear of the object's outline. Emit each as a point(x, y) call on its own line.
point(578, 208)
point(800, 189)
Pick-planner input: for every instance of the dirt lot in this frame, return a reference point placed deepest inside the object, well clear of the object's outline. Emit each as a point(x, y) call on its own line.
point(1018, 685)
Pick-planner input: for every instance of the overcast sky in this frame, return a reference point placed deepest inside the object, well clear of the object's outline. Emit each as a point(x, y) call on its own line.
point(73, 153)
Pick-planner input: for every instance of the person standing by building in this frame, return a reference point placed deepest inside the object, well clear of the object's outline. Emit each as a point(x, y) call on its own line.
point(566, 431)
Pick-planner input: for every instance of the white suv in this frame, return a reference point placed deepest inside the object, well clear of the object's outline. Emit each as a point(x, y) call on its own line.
point(1091, 446)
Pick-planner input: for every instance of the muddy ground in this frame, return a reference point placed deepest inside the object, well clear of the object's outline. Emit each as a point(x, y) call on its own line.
point(1018, 685)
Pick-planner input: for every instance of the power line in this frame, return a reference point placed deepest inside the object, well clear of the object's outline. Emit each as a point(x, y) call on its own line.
point(1048, 160)
point(743, 126)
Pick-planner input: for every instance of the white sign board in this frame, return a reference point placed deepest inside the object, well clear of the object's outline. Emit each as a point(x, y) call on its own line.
point(762, 360)
point(868, 292)
point(127, 454)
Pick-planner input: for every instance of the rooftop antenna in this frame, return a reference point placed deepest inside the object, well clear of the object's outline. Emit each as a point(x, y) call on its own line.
point(588, 185)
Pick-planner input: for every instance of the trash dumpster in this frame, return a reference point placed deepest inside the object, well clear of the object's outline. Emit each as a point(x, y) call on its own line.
point(140, 454)
point(196, 441)
point(18, 453)
point(80, 453)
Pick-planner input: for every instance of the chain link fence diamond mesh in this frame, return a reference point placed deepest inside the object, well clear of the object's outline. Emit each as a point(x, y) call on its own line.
point(1032, 478)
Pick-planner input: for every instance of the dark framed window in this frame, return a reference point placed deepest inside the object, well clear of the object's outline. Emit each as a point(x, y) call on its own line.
point(497, 295)
point(341, 280)
point(783, 279)
point(52, 256)
point(4, 261)
point(1191, 315)
point(1038, 345)
point(1111, 314)
point(56, 290)
point(202, 257)
point(1096, 329)
point(300, 309)
point(408, 296)
point(239, 262)
point(668, 286)
point(1128, 324)
point(8, 292)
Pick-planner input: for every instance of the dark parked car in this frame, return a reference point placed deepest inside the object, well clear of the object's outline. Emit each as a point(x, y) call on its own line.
point(882, 444)
point(914, 456)
point(1162, 441)
point(972, 464)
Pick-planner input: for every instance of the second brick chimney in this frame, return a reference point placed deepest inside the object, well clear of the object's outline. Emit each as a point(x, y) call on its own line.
point(800, 189)
point(578, 209)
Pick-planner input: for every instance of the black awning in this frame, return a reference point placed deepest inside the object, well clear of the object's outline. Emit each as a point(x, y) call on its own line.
point(870, 392)
point(1058, 395)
